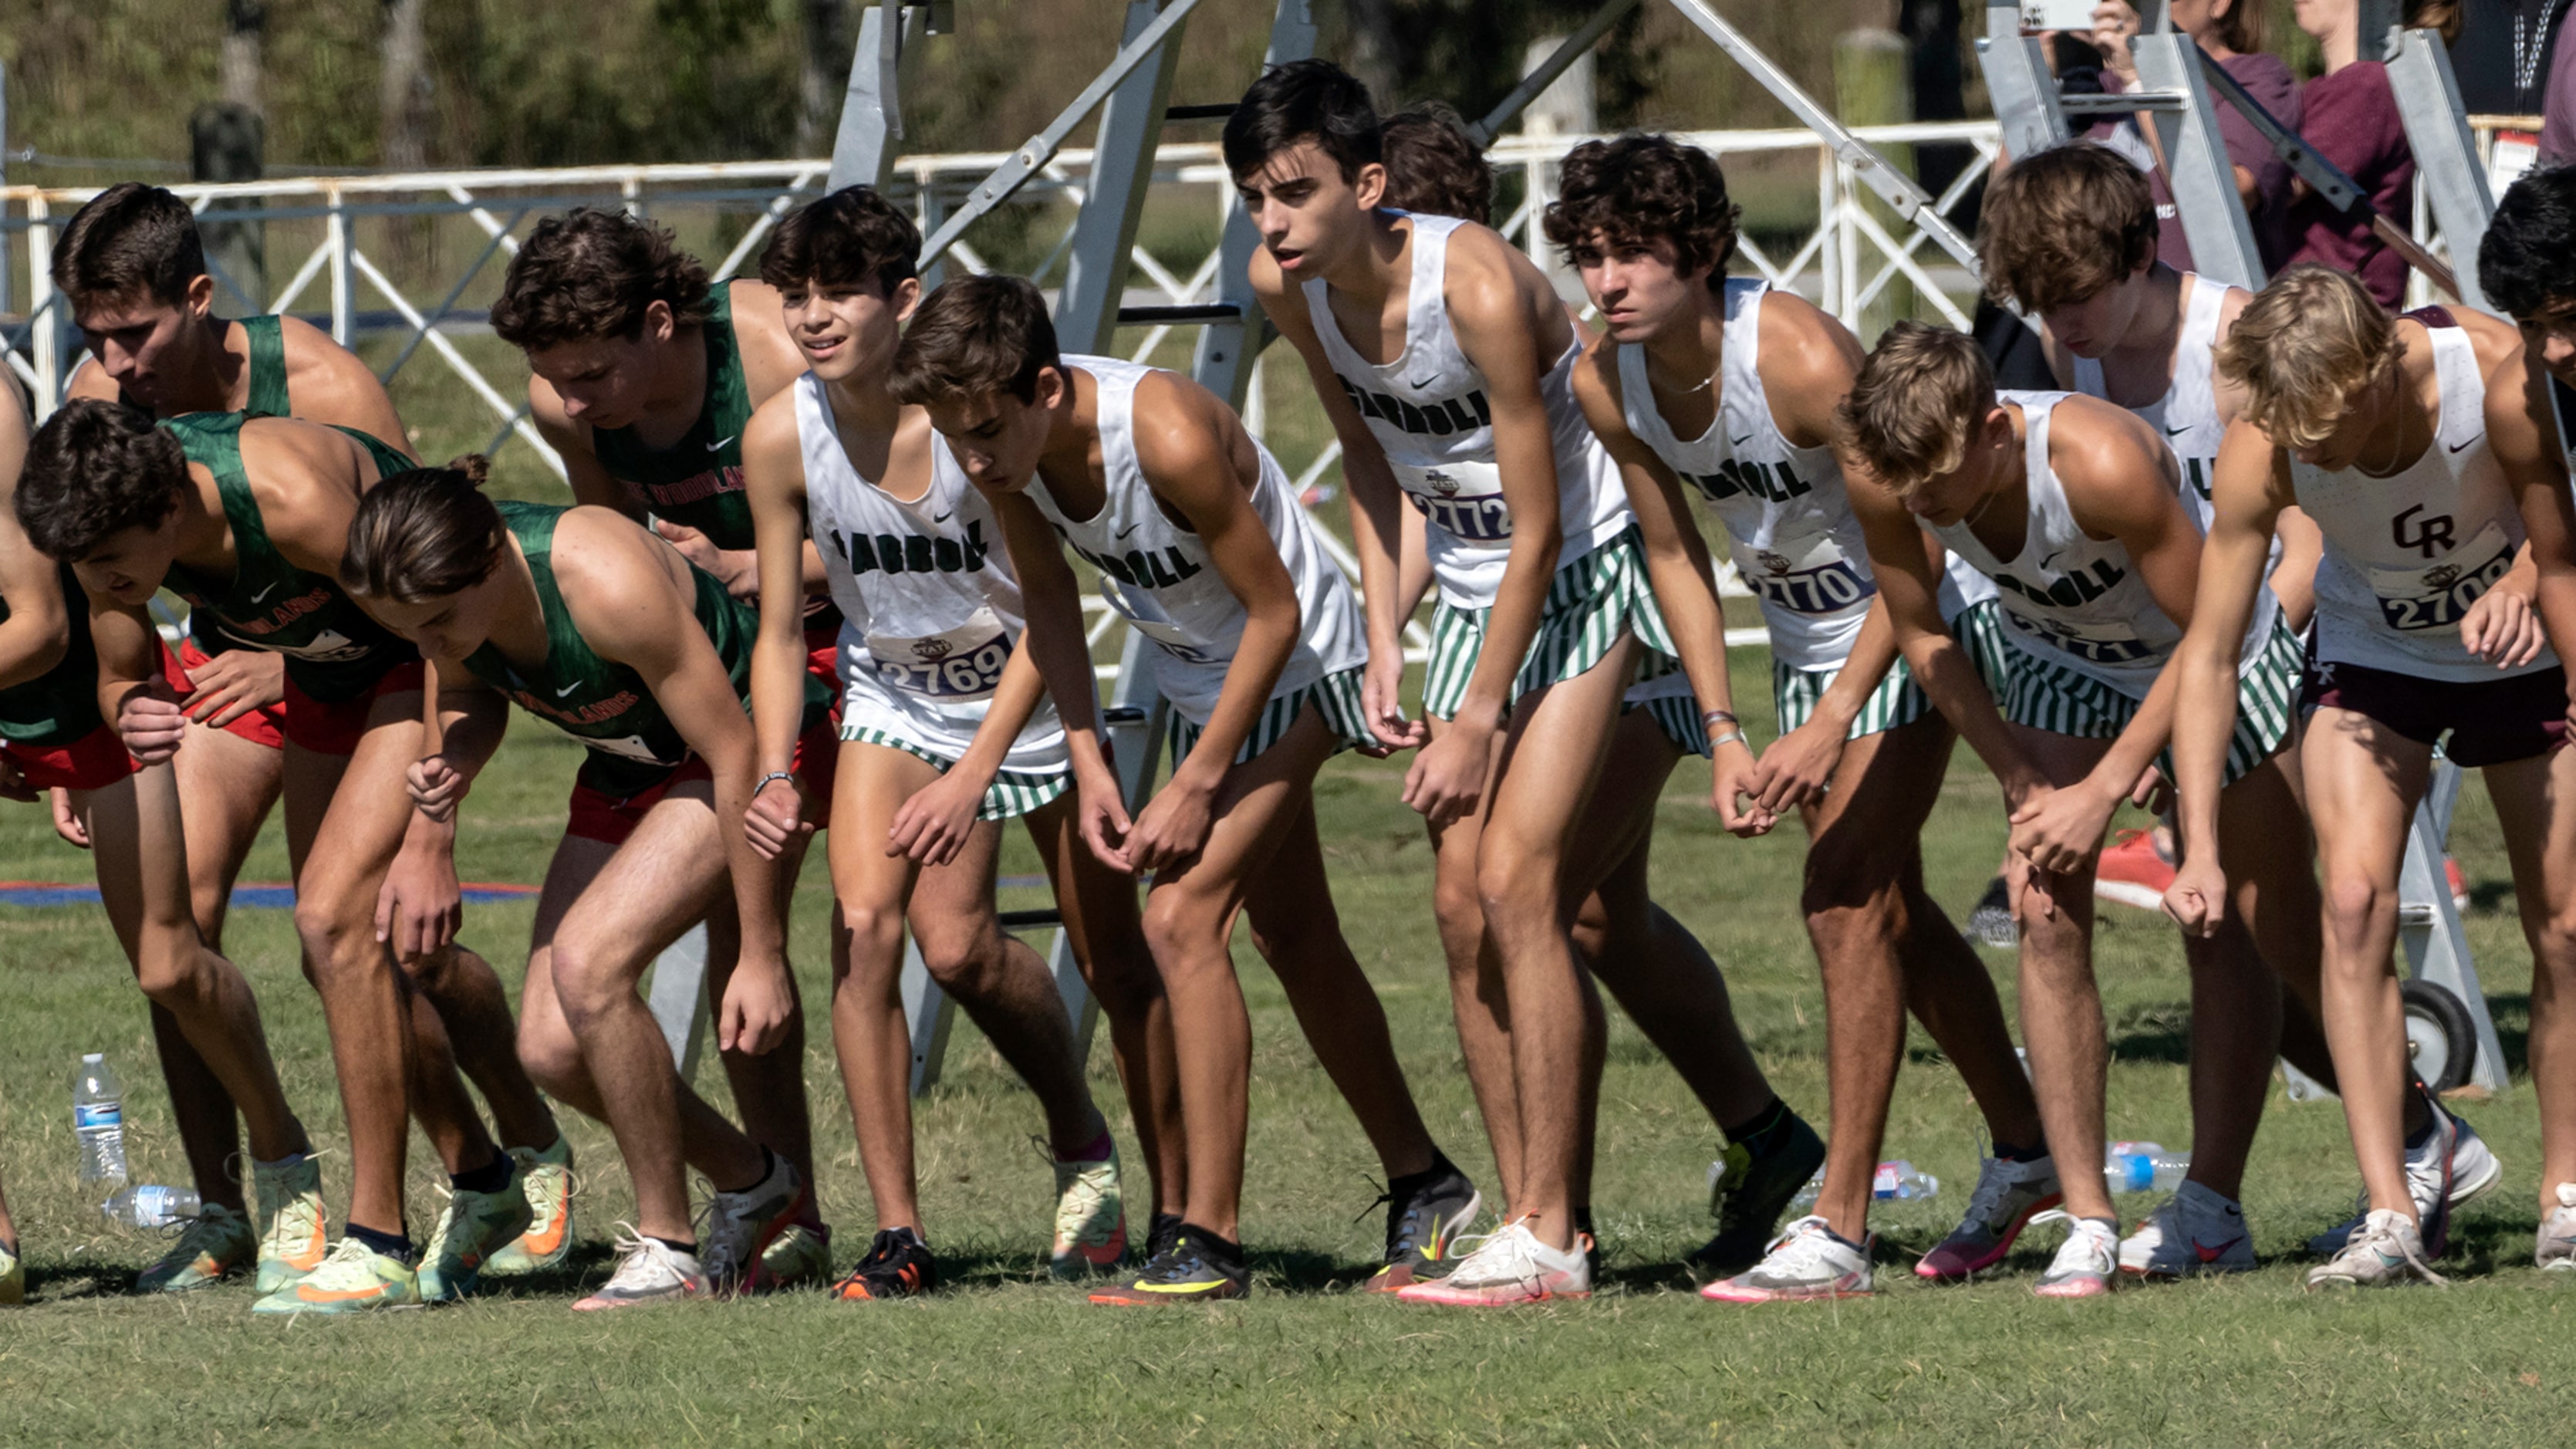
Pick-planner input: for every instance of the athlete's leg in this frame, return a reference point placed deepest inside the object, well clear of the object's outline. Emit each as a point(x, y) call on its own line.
point(1189, 922)
point(1107, 932)
point(227, 786)
point(1552, 754)
point(2061, 1005)
point(1475, 981)
point(137, 836)
point(768, 1089)
point(547, 1051)
point(869, 1033)
point(2533, 803)
point(2363, 780)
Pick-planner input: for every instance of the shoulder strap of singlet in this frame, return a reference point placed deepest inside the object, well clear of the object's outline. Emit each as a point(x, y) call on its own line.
point(533, 524)
point(213, 441)
point(267, 339)
point(728, 405)
point(2436, 315)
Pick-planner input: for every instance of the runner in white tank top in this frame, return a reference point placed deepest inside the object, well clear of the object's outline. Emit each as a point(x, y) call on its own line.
point(2187, 414)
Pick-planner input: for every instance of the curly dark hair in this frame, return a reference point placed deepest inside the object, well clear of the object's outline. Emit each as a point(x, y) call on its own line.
point(1432, 167)
point(427, 534)
point(2063, 225)
point(852, 236)
point(2527, 263)
point(976, 336)
point(1304, 100)
point(94, 470)
point(591, 274)
point(130, 238)
point(1643, 188)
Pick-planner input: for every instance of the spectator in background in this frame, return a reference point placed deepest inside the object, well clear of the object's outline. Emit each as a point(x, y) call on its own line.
point(2558, 109)
point(2352, 120)
point(2505, 54)
point(2231, 32)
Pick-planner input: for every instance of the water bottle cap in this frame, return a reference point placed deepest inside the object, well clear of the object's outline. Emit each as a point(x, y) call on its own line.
point(93, 1056)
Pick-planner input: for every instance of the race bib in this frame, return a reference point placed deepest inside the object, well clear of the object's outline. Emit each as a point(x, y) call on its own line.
point(964, 663)
point(1146, 617)
point(1466, 499)
point(1805, 574)
point(328, 647)
point(2098, 642)
point(630, 748)
point(2419, 600)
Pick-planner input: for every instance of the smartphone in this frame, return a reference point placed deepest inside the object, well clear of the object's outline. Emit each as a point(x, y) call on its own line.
point(2075, 15)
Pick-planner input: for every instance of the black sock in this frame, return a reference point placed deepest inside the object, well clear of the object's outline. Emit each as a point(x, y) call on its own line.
point(1224, 1251)
point(2009, 1153)
point(2432, 1123)
point(768, 1165)
point(490, 1177)
point(1441, 1167)
point(393, 1245)
point(1762, 1129)
point(1583, 1223)
point(686, 1246)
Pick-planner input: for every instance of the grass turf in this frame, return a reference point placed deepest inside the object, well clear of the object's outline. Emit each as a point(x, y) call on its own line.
point(1006, 1357)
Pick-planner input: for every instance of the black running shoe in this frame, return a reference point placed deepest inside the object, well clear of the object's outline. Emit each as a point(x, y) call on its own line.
point(1425, 1214)
point(1990, 920)
point(1164, 1231)
point(1751, 1192)
point(898, 1265)
point(1199, 1267)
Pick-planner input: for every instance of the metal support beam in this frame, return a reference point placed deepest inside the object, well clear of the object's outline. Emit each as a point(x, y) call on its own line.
point(1223, 361)
point(1122, 162)
point(864, 148)
point(2197, 167)
point(2018, 82)
point(678, 999)
point(2446, 153)
point(1483, 132)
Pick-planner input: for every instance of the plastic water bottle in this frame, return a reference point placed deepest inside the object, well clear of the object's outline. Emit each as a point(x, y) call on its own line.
point(151, 1206)
point(1902, 1181)
point(98, 1117)
point(1808, 1194)
point(2143, 1167)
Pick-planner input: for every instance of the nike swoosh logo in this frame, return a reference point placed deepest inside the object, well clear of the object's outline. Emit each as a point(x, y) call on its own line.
point(1181, 1289)
point(943, 517)
point(1131, 528)
point(1423, 384)
point(2178, 432)
point(567, 689)
point(311, 1294)
point(1739, 442)
point(719, 444)
point(264, 593)
point(2473, 442)
point(2209, 1254)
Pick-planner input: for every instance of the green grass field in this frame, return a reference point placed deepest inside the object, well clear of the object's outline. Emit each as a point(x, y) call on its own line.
point(1006, 1357)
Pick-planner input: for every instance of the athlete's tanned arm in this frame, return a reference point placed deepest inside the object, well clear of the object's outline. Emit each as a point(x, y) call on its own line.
point(2521, 432)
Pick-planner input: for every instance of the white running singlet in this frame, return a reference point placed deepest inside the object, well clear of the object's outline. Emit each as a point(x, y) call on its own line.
point(1787, 515)
point(1429, 413)
point(2407, 555)
point(930, 609)
point(1158, 577)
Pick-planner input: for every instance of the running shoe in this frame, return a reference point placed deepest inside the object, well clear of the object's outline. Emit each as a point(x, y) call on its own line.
point(2009, 1194)
point(354, 1278)
point(2194, 1231)
point(1809, 1260)
point(1509, 1267)
point(801, 1253)
point(216, 1244)
point(2451, 1167)
point(1990, 920)
point(2085, 1263)
point(1193, 1270)
point(898, 1265)
point(742, 1225)
point(2555, 1249)
point(1090, 1217)
point(471, 1228)
point(2134, 871)
point(649, 1271)
point(546, 1178)
point(1425, 1214)
point(13, 1277)
point(287, 1200)
point(1747, 1194)
point(1163, 1231)
point(2388, 1250)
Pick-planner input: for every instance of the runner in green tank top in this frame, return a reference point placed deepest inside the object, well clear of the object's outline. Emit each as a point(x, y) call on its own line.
point(615, 638)
point(255, 525)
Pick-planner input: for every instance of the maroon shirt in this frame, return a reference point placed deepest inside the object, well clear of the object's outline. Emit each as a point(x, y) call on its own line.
point(2352, 120)
point(2267, 79)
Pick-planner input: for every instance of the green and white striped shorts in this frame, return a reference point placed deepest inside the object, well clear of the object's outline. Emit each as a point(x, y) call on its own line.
point(2052, 697)
point(1011, 794)
point(1336, 696)
point(1898, 700)
point(1590, 603)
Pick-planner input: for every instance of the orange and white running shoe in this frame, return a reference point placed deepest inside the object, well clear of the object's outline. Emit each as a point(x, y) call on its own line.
point(546, 1179)
point(1509, 1267)
point(2133, 871)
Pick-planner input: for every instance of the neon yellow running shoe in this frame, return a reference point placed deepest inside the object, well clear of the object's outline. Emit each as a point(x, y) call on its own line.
point(473, 1227)
point(287, 1202)
point(353, 1279)
point(799, 1254)
point(13, 1278)
point(546, 1179)
point(218, 1244)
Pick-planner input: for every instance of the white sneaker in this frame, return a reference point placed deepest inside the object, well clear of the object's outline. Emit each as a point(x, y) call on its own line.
point(2453, 1166)
point(2008, 1196)
point(648, 1271)
point(2085, 1263)
point(2388, 1250)
point(1807, 1260)
point(1511, 1266)
point(1090, 1217)
point(2194, 1231)
point(740, 1226)
point(2556, 1249)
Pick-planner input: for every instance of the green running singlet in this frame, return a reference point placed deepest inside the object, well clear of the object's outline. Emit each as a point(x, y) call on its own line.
point(697, 481)
point(60, 705)
point(267, 368)
point(334, 649)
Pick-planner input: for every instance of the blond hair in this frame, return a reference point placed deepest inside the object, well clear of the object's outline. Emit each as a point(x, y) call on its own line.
point(2304, 348)
point(1919, 395)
